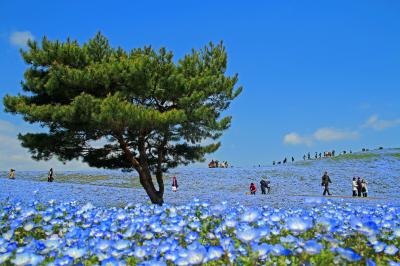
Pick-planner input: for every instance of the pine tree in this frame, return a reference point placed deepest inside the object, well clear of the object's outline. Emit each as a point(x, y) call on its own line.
point(148, 112)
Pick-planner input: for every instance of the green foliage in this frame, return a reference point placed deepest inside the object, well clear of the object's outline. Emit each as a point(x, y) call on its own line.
point(396, 155)
point(139, 109)
point(355, 156)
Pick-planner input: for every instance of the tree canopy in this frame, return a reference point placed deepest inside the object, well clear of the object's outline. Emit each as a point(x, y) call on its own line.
point(135, 110)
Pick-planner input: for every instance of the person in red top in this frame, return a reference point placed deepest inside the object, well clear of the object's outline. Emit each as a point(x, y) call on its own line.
point(253, 189)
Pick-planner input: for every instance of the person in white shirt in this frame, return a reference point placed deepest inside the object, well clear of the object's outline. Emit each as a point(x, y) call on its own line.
point(354, 186)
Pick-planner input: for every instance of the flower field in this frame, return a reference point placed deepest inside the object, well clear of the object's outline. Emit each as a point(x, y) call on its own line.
point(210, 220)
point(198, 233)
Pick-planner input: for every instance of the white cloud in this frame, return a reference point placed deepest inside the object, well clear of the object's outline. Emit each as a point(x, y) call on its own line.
point(13, 155)
point(322, 135)
point(332, 134)
point(20, 38)
point(295, 139)
point(6, 126)
point(379, 124)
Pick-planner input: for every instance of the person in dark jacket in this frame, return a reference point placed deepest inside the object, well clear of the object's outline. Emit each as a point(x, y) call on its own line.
point(264, 185)
point(253, 189)
point(174, 184)
point(325, 183)
point(50, 177)
point(364, 188)
point(359, 186)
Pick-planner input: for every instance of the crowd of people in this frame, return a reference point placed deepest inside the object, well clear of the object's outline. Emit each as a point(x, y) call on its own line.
point(217, 164)
point(318, 155)
point(359, 186)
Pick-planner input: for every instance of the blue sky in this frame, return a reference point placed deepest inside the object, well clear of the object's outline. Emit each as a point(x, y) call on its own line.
point(317, 75)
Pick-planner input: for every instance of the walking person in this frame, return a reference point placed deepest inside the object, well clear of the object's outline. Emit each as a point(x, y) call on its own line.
point(263, 185)
point(11, 174)
point(174, 184)
point(308, 156)
point(304, 157)
point(364, 188)
point(253, 189)
point(359, 187)
point(354, 187)
point(50, 176)
point(325, 183)
point(292, 159)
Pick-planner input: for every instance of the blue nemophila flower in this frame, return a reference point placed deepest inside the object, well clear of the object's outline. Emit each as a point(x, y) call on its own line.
point(370, 262)
point(369, 228)
point(112, 262)
point(164, 247)
point(391, 250)
point(298, 225)
point(214, 253)
point(8, 235)
point(192, 236)
point(230, 223)
point(4, 257)
point(279, 250)
point(250, 216)
point(348, 254)
point(152, 263)
point(263, 231)
point(396, 232)
point(379, 247)
point(182, 262)
point(75, 252)
point(29, 226)
point(247, 235)
point(171, 256)
point(27, 259)
point(140, 252)
point(328, 224)
point(288, 239)
point(262, 250)
point(197, 255)
point(122, 245)
point(66, 260)
point(312, 247)
point(275, 218)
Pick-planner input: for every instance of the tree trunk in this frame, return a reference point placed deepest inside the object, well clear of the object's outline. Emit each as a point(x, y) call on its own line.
point(142, 168)
point(155, 196)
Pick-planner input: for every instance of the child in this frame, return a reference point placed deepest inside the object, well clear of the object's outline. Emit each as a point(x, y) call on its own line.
point(253, 189)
